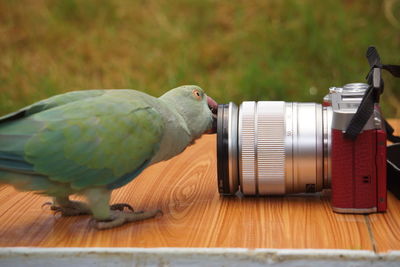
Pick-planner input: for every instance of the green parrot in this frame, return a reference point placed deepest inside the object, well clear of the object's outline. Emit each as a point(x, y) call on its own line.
point(92, 142)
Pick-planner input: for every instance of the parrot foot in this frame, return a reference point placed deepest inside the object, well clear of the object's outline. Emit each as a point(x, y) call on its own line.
point(72, 208)
point(121, 207)
point(119, 218)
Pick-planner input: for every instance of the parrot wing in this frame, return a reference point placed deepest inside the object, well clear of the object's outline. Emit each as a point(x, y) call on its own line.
point(106, 139)
point(52, 102)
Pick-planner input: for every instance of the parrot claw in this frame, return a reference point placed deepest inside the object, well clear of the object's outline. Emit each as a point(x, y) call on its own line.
point(73, 208)
point(47, 204)
point(119, 218)
point(121, 207)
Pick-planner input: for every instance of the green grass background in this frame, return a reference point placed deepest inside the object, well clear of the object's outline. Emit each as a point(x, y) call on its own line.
point(236, 50)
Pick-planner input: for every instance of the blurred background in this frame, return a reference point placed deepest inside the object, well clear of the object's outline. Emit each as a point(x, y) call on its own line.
point(236, 50)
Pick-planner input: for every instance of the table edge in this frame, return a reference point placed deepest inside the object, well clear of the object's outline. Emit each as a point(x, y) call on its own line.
point(65, 256)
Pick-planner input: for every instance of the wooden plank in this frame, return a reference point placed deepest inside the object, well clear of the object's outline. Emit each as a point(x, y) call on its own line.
point(395, 123)
point(195, 215)
point(386, 227)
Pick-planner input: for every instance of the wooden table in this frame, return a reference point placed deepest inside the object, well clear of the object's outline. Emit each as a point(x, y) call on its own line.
point(195, 215)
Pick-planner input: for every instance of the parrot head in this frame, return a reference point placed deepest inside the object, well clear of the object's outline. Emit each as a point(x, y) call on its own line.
point(197, 109)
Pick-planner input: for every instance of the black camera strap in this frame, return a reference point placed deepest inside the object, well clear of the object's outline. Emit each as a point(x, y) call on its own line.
point(372, 95)
point(389, 132)
point(365, 110)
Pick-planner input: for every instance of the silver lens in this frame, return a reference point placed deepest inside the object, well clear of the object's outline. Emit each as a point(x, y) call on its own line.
point(277, 147)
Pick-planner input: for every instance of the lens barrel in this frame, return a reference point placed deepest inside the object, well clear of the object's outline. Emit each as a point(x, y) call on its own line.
point(227, 148)
point(273, 147)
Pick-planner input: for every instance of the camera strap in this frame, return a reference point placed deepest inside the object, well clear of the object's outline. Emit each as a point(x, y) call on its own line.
point(372, 95)
point(365, 110)
point(389, 132)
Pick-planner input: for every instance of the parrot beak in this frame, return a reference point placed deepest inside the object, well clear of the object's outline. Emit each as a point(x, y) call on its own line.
point(214, 108)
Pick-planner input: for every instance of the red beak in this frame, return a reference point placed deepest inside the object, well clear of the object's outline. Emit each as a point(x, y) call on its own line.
point(214, 108)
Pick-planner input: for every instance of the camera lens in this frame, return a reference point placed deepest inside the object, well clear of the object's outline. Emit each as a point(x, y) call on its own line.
point(273, 147)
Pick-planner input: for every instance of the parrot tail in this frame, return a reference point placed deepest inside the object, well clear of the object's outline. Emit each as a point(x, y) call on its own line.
point(14, 169)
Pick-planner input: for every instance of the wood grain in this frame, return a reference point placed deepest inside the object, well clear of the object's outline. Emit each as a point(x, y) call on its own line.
point(386, 227)
point(395, 123)
point(185, 188)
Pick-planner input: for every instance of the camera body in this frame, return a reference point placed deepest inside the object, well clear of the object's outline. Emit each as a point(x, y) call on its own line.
point(276, 148)
point(358, 174)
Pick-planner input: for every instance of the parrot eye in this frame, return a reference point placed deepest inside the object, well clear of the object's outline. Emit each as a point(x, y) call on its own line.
point(197, 94)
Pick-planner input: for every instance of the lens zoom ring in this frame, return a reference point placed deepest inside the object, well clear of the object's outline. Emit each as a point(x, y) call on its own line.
point(247, 147)
point(271, 147)
point(262, 147)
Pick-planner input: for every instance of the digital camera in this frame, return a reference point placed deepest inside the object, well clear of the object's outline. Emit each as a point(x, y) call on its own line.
point(276, 148)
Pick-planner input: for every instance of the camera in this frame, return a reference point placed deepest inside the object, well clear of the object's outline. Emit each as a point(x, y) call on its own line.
point(276, 148)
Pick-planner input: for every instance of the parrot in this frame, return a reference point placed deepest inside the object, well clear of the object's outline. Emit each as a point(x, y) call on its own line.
point(90, 142)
